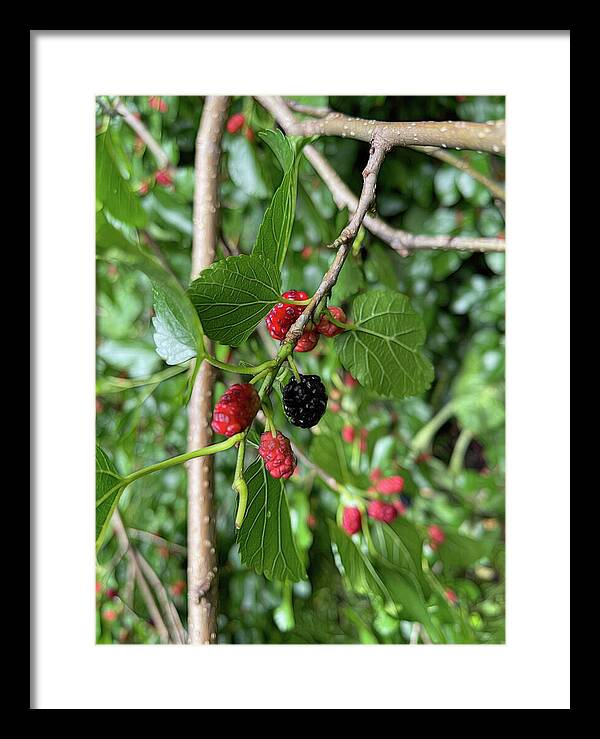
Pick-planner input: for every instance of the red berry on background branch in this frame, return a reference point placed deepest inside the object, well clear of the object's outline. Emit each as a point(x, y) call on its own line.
point(436, 536)
point(375, 475)
point(325, 327)
point(111, 592)
point(143, 189)
point(363, 440)
point(109, 615)
point(350, 381)
point(308, 341)
point(178, 587)
point(236, 121)
point(451, 596)
point(250, 135)
point(99, 587)
point(277, 454)
point(390, 485)
point(351, 520)
point(235, 410)
point(348, 434)
point(306, 253)
point(381, 511)
point(281, 317)
point(157, 103)
point(163, 177)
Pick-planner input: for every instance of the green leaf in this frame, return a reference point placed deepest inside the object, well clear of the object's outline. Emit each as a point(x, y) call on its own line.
point(329, 452)
point(244, 168)
point(233, 295)
point(111, 189)
point(459, 552)
point(178, 333)
point(478, 391)
point(279, 144)
point(109, 486)
point(399, 591)
point(400, 544)
point(382, 352)
point(275, 230)
point(265, 537)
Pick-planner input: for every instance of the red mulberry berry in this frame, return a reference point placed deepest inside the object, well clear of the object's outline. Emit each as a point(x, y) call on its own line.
point(390, 485)
point(282, 316)
point(235, 410)
point(351, 520)
point(375, 475)
point(277, 454)
point(250, 135)
point(308, 341)
point(436, 536)
point(163, 177)
point(381, 511)
point(236, 121)
point(327, 328)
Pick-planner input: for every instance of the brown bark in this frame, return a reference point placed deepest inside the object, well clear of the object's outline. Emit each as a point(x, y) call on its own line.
point(202, 555)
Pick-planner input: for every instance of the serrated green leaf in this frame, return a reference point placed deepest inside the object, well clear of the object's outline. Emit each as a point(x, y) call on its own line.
point(109, 486)
point(233, 295)
point(382, 352)
point(265, 537)
point(275, 230)
point(111, 189)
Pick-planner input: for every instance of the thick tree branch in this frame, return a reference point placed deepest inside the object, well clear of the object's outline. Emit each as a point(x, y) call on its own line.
point(401, 241)
point(201, 546)
point(444, 156)
point(161, 156)
point(488, 136)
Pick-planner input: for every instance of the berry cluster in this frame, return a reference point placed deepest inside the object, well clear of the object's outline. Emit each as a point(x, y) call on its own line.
point(236, 123)
point(283, 315)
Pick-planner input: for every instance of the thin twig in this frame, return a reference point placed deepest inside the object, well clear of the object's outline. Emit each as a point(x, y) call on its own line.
point(488, 136)
point(176, 630)
point(161, 156)
point(146, 593)
point(202, 557)
point(156, 539)
point(445, 156)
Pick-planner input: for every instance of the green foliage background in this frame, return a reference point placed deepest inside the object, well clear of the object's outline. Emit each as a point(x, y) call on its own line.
point(460, 297)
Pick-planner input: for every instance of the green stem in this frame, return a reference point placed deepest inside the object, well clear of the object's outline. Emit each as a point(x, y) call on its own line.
point(239, 368)
point(287, 301)
point(270, 424)
point(459, 451)
point(181, 458)
point(293, 367)
point(239, 484)
point(339, 324)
